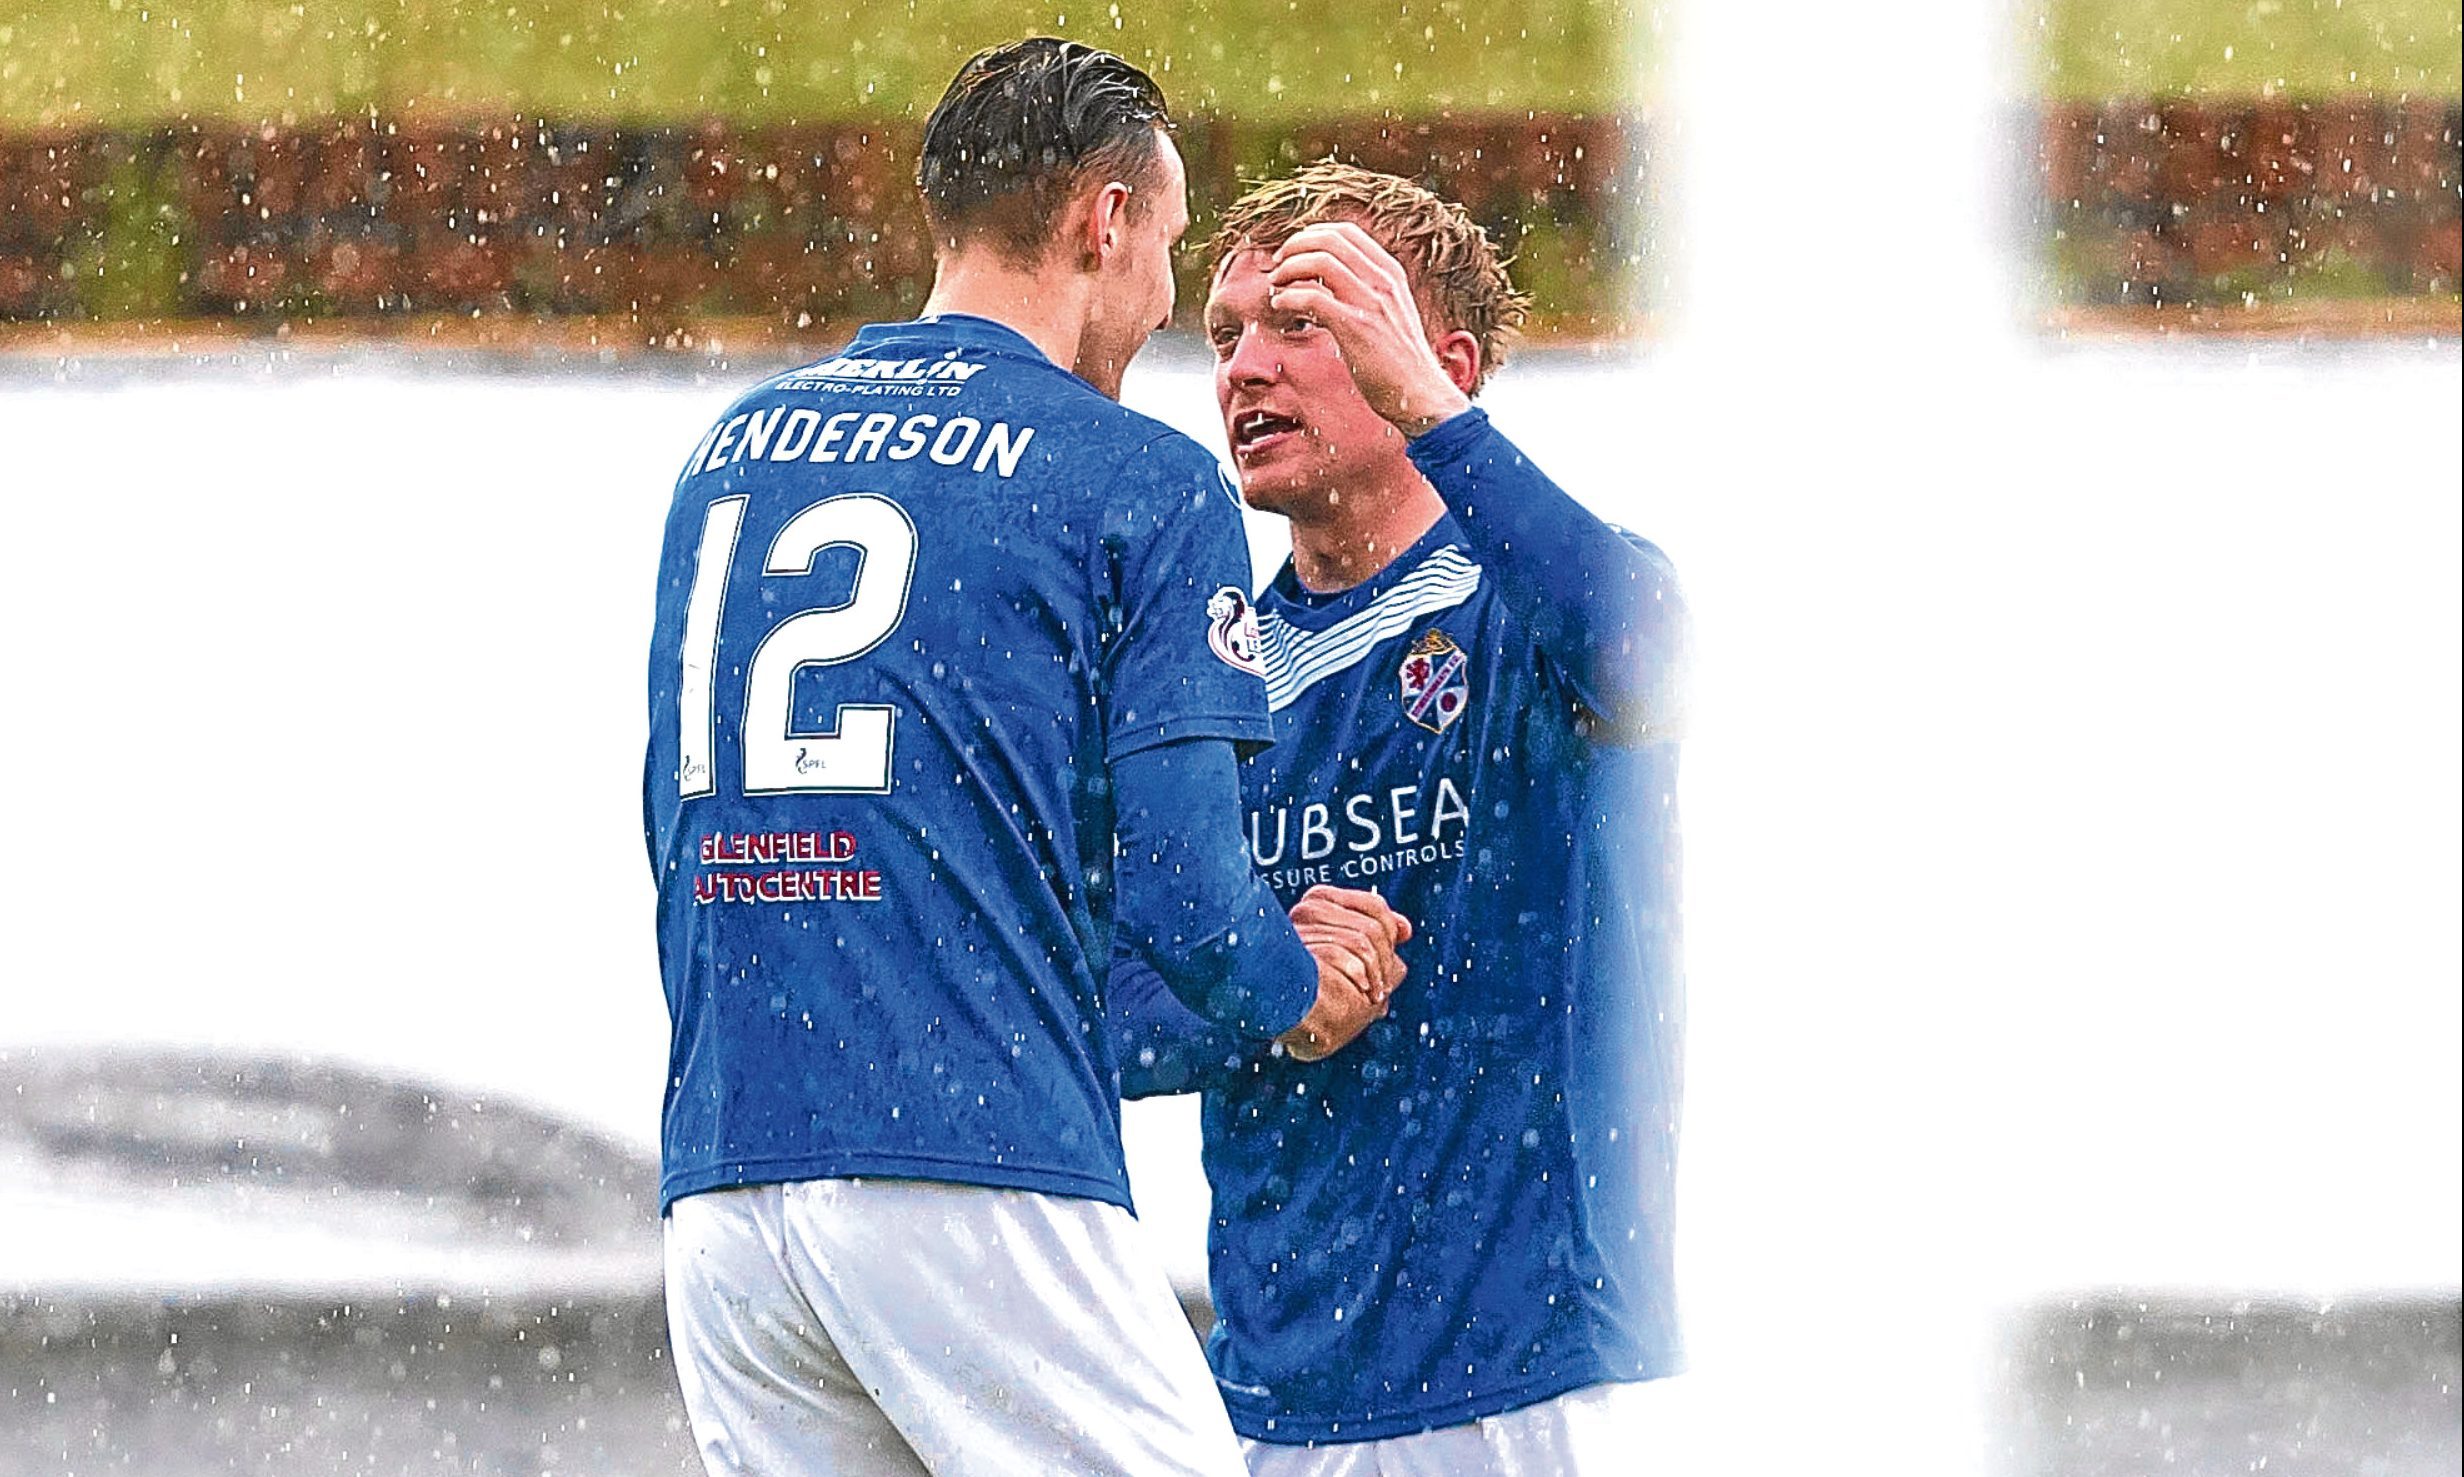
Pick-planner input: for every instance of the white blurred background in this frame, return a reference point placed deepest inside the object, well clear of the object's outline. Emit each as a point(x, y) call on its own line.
point(2071, 807)
point(2072, 827)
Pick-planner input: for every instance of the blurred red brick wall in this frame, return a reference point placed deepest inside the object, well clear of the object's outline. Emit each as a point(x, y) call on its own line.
point(2169, 202)
point(2139, 204)
point(366, 218)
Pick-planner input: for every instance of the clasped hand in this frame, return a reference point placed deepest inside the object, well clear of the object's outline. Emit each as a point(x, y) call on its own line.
point(1353, 935)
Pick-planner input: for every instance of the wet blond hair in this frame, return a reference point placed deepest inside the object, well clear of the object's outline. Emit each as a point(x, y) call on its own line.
point(1457, 274)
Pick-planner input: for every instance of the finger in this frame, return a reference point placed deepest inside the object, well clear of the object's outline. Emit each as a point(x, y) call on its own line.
point(1365, 925)
point(1361, 927)
point(1353, 260)
point(1351, 960)
point(1336, 908)
point(1371, 968)
point(1347, 967)
point(1333, 912)
point(1357, 967)
point(1352, 899)
point(1352, 244)
point(1336, 278)
point(1309, 298)
point(1369, 907)
point(1304, 1042)
point(1390, 969)
point(1322, 239)
point(1324, 265)
point(1316, 900)
point(1327, 892)
point(1365, 936)
point(1365, 970)
point(1316, 304)
point(1399, 928)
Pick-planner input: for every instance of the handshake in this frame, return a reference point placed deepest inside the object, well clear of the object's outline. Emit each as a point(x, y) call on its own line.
point(1353, 935)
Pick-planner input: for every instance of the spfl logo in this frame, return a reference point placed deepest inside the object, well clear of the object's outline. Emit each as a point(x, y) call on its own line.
point(1435, 685)
point(1232, 631)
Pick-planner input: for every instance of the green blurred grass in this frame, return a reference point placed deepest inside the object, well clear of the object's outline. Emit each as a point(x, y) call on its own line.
point(82, 63)
point(2095, 49)
point(133, 62)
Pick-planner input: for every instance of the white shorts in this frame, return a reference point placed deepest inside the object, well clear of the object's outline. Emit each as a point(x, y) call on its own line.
point(910, 1326)
point(1591, 1432)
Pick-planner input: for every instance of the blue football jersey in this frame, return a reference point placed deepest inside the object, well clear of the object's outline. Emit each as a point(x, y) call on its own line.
point(912, 600)
point(1469, 1209)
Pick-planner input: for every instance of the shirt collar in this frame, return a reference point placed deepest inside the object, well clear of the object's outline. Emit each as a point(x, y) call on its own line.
point(942, 330)
point(1307, 608)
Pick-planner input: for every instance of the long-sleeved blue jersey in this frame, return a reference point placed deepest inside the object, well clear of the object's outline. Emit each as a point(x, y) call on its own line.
point(1468, 1209)
point(940, 629)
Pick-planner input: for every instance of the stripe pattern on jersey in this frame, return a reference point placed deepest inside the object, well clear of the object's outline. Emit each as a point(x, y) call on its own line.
point(1297, 659)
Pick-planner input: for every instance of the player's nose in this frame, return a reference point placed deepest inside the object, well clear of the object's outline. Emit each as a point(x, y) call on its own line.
point(1253, 360)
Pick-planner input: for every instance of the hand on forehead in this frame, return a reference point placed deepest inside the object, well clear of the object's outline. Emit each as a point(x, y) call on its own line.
point(1345, 242)
point(1336, 275)
point(1345, 260)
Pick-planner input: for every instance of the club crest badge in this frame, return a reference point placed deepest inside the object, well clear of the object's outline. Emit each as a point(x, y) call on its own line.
point(1436, 682)
point(1232, 631)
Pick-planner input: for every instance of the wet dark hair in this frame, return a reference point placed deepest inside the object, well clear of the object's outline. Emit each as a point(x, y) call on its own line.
point(1021, 128)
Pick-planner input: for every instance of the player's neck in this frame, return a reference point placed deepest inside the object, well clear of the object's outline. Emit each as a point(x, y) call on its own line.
point(1046, 308)
point(1347, 540)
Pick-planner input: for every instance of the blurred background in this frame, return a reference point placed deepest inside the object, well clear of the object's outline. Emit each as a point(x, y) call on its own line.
point(2053, 410)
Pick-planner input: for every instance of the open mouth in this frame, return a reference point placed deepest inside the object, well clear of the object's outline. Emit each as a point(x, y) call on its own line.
point(1253, 431)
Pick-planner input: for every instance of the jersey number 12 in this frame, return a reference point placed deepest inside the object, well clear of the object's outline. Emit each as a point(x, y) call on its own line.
point(856, 758)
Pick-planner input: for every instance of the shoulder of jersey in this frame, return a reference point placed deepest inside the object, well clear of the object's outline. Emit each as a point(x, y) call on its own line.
point(1170, 453)
point(1642, 545)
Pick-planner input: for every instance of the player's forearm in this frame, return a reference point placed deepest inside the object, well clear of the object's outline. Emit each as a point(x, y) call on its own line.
point(1186, 901)
point(1606, 611)
point(1162, 1046)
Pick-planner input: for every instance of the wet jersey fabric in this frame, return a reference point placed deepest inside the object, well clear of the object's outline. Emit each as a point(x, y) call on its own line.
point(1468, 1210)
point(915, 601)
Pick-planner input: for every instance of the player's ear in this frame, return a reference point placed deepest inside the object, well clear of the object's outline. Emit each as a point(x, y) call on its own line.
point(1458, 353)
point(1107, 220)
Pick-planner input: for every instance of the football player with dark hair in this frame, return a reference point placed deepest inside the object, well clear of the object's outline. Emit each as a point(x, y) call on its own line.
point(951, 672)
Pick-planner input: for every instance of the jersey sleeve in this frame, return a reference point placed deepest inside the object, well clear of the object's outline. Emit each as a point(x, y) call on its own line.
point(1189, 906)
point(1603, 605)
point(1182, 657)
point(1163, 1046)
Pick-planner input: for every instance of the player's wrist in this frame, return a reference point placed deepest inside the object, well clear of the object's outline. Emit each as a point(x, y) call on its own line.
point(1447, 441)
point(1420, 414)
point(1291, 1002)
